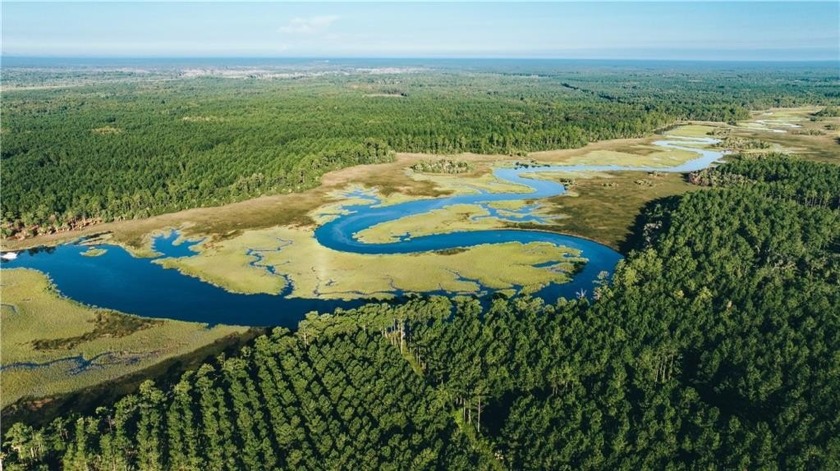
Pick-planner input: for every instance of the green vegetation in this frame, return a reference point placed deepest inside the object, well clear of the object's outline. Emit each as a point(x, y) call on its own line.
point(468, 184)
point(106, 324)
point(318, 272)
point(603, 207)
point(690, 130)
point(131, 148)
point(740, 144)
point(72, 347)
point(773, 173)
point(94, 252)
point(828, 112)
point(458, 217)
point(793, 131)
point(442, 166)
point(713, 345)
point(634, 155)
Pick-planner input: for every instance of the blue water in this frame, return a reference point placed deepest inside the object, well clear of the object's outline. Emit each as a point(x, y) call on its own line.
point(117, 280)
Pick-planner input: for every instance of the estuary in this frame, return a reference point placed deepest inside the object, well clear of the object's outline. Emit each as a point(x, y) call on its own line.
point(114, 279)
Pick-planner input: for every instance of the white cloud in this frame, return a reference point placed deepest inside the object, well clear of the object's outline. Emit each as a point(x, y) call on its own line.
point(311, 25)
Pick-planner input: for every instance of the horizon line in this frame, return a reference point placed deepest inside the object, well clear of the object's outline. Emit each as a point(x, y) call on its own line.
point(413, 57)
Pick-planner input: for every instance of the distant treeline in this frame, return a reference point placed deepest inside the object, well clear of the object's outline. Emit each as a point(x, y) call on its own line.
point(123, 150)
point(714, 345)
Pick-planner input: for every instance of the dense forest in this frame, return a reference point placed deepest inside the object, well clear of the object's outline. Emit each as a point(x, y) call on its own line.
point(136, 145)
point(714, 345)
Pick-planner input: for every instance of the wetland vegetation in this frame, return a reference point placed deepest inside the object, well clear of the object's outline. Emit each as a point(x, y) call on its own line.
point(177, 144)
point(442, 166)
point(52, 345)
point(710, 345)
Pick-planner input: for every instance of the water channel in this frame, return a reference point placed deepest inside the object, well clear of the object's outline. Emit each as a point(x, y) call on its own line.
point(117, 280)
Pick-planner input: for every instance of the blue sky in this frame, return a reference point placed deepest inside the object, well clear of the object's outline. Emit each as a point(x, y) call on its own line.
point(627, 30)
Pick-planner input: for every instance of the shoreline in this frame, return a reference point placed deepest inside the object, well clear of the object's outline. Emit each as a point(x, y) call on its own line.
point(329, 181)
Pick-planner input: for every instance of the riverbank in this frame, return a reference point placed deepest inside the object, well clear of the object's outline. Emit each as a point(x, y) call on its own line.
point(392, 180)
point(295, 270)
point(51, 345)
point(600, 206)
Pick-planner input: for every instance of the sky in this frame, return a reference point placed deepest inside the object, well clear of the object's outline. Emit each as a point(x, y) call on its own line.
point(745, 30)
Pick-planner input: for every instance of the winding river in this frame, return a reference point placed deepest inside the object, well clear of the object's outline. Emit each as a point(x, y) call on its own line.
point(117, 280)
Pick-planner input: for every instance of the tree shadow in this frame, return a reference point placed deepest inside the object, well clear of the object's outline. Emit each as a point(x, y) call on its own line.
point(653, 211)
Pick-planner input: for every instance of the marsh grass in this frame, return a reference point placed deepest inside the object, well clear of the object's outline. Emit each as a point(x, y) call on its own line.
point(605, 206)
point(393, 181)
point(692, 130)
point(822, 147)
point(106, 324)
point(459, 217)
point(317, 271)
point(94, 252)
point(40, 326)
point(41, 410)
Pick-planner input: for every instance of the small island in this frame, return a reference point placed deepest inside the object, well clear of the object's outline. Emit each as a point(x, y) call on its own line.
point(442, 166)
point(94, 252)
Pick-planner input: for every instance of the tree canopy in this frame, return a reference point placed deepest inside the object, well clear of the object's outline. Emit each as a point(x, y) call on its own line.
point(128, 147)
point(714, 345)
